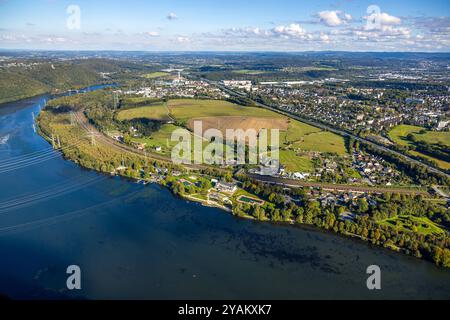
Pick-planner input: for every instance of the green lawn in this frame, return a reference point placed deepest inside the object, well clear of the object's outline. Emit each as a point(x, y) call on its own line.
point(294, 163)
point(309, 138)
point(153, 112)
point(399, 134)
point(421, 225)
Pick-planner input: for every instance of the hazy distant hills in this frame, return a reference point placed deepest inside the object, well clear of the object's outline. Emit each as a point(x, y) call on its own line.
point(29, 79)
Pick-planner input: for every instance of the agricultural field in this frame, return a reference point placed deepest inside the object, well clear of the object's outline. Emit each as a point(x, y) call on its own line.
point(153, 112)
point(249, 72)
point(186, 109)
point(296, 138)
point(131, 102)
point(240, 122)
point(155, 75)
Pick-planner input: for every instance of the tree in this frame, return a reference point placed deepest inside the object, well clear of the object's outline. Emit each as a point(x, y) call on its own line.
point(363, 206)
point(437, 255)
point(287, 215)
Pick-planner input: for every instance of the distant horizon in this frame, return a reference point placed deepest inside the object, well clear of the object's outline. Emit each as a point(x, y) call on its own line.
point(217, 51)
point(226, 26)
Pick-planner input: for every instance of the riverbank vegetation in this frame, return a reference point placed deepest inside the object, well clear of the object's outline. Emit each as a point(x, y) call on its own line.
point(399, 222)
point(404, 223)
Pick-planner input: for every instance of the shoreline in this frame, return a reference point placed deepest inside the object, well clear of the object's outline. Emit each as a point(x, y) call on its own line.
point(243, 215)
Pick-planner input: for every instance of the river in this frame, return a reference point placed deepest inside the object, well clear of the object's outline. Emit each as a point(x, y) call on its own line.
point(141, 242)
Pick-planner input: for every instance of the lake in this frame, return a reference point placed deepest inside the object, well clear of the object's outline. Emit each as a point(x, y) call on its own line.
point(141, 242)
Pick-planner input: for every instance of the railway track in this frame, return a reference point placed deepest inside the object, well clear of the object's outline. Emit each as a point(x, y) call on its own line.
point(92, 130)
point(335, 187)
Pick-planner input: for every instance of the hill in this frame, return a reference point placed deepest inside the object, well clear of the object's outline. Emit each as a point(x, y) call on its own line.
point(37, 78)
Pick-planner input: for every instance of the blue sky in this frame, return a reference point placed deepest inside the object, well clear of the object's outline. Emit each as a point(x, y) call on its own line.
point(281, 25)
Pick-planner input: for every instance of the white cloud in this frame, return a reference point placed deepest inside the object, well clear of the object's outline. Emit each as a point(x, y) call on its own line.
point(330, 18)
point(383, 19)
point(293, 30)
point(334, 18)
point(153, 34)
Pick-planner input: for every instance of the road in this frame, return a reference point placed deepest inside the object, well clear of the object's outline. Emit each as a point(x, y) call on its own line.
point(90, 129)
point(440, 192)
point(331, 129)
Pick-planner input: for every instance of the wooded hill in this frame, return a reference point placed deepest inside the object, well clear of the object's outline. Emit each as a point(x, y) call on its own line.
point(22, 82)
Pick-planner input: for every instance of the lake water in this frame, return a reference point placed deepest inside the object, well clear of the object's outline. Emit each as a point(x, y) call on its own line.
point(142, 242)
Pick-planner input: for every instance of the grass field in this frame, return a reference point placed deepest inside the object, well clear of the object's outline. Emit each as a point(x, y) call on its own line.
point(249, 72)
point(421, 225)
point(160, 139)
point(132, 101)
point(294, 135)
point(294, 163)
point(309, 138)
point(399, 134)
point(185, 109)
point(153, 112)
point(155, 75)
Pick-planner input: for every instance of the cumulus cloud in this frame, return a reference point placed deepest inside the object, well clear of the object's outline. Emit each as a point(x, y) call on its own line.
point(172, 16)
point(333, 18)
point(330, 18)
point(293, 30)
point(383, 19)
point(337, 33)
